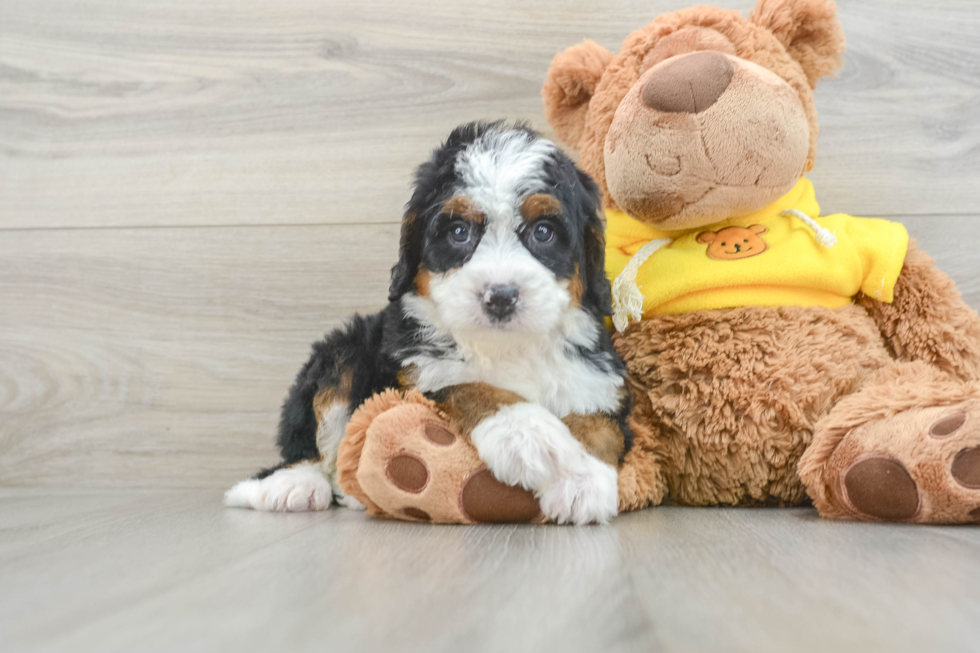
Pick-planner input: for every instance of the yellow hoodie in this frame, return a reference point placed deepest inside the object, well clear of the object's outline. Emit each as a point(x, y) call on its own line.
point(773, 257)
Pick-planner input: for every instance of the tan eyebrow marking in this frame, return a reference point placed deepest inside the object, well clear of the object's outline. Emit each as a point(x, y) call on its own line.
point(539, 204)
point(463, 207)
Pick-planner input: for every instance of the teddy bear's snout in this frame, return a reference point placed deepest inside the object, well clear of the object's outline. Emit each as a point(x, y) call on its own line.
point(689, 84)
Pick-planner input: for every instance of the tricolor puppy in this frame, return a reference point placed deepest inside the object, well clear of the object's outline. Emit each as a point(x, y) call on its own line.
point(495, 312)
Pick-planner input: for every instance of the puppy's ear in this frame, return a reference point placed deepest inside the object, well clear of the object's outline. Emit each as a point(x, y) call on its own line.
point(409, 258)
point(597, 295)
point(569, 86)
point(808, 29)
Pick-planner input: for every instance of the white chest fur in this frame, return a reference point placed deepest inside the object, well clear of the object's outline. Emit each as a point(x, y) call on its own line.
point(546, 374)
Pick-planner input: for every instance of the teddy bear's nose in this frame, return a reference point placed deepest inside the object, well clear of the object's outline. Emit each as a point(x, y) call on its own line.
point(688, 84)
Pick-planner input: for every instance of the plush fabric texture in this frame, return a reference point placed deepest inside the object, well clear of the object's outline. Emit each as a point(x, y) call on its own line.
point(402, 458)
point(734, 396)
point(928, 320)
point(699, 130)
point(678, 168)
point(763, 259)
point(779, 54)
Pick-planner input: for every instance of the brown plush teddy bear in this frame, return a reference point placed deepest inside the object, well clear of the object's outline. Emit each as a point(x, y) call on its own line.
point(773, 353)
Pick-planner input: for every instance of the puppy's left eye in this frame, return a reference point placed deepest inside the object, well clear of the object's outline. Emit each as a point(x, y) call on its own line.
point(459, 232)
point(543, 232)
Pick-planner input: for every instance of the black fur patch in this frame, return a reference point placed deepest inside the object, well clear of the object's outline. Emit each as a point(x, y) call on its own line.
point(353, 352)
point(441, 250)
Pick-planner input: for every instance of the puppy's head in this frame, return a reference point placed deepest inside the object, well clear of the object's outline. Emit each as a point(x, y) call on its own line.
point(502, 234)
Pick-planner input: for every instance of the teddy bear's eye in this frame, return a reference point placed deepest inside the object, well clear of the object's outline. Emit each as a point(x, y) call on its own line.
point(723, 244)
point(746, 240)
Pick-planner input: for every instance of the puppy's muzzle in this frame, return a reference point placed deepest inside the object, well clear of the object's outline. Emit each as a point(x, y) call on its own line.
point(500, 302)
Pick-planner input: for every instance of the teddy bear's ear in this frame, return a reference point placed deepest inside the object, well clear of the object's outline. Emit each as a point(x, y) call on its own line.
point(759, 229)
point(808, 29)
point(706, 237)
point(570, 84)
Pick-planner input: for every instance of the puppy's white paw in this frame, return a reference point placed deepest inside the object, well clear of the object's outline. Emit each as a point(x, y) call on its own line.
point(585, 493)
point(523, 444)
point(299, 488)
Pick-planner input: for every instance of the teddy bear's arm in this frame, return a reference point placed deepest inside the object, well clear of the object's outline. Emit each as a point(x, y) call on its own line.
point(928, 321)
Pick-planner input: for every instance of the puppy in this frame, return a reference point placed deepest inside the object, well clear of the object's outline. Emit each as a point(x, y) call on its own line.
point(495, 312)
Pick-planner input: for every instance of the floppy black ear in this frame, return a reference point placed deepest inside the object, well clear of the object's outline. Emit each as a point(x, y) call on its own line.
point(409, 258)
point(597, 295)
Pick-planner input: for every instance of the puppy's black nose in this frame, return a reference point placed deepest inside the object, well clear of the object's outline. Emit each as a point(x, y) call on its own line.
point(500, 302)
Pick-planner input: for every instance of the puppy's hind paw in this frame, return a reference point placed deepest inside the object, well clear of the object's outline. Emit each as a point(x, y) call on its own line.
point(300, 488)
point(582, 496)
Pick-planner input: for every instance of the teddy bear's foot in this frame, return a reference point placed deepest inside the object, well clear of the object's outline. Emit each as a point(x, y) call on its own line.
point(918, 464)
point(404, 460)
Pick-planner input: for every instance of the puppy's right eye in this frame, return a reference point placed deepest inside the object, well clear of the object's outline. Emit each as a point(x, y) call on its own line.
point(459, 232)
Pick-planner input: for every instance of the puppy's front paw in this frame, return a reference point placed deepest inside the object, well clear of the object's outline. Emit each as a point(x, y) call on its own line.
point(299, 488)
point(584, 494)
point(523, 444)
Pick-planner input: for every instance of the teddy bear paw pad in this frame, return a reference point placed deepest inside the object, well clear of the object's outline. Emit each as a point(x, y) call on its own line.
point(881, 487)
point(947, 426)
point(486, 500)
point(921, 465)
point(438, 434)
point(416, 514)
point(407, 472)
point(966, 468)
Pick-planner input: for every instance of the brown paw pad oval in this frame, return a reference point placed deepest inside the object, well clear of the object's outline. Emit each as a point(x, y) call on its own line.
point(881, 487)
point(415, 513)
point(438, 434)
point(975, 515)
point(485, 499)
point(407, 472)
point(947, 426)
point(966, 468)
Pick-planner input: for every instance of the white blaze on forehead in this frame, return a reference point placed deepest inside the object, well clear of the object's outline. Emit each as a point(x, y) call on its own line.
point(498, 170)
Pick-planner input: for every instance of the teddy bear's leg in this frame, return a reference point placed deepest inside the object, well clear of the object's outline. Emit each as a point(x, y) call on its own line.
point(906, 447)
point(403, 459)
point(928, 321)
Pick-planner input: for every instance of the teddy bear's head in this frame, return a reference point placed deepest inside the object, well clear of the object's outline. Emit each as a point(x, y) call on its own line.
point(704, 114)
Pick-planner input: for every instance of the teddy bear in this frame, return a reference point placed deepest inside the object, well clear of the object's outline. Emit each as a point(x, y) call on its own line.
point(775, 355)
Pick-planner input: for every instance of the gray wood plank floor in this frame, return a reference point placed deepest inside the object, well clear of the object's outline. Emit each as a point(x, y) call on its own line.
point(172, 571)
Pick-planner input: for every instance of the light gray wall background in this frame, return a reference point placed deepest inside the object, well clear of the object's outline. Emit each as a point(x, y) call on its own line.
point(192, 192)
